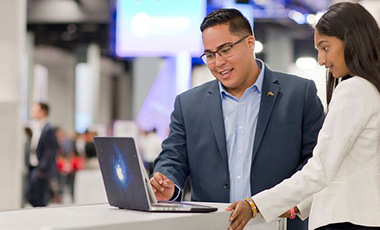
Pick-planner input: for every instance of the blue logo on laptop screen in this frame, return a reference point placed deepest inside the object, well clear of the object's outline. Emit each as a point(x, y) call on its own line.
point(120, 169)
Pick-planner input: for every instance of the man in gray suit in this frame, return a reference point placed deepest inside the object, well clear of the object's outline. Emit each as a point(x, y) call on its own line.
point(242, 133)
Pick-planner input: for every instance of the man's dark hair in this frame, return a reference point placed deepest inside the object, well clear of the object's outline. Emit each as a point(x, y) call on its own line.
point(238, 24)
point(44, 107)
point(356, 27)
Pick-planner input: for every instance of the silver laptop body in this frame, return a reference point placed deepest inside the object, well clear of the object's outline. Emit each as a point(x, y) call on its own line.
point(126, 181)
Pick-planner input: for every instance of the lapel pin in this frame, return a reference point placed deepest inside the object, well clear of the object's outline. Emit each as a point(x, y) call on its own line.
point(270, 93)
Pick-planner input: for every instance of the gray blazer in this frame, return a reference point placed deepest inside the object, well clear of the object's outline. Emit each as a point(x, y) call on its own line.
point(288, 124)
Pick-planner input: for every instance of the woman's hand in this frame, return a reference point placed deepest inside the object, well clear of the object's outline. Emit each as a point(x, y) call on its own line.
point(285, 214)
point(288, 213)
point(241, 214)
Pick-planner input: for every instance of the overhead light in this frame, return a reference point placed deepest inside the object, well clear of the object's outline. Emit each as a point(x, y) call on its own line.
point(297, 16)
point(311, 19)
point(262, 2)
point(258, 47)
point(306, 63)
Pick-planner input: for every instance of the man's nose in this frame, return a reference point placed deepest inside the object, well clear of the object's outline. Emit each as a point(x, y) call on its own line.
point(219, 60)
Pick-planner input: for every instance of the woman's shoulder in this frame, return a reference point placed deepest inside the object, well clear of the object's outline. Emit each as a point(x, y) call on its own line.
point(358, 89)
point(358, 85)
point(356, 82)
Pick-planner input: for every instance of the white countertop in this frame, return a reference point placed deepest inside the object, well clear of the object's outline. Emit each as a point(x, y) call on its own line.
point(103, 216)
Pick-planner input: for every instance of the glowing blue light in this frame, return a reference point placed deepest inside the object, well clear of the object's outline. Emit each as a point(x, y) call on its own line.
point(297, 17)
point(159, 28)
point(120, 171)
point(311, 19)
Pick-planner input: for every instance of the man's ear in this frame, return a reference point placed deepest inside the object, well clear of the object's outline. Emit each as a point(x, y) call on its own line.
point(251, 42)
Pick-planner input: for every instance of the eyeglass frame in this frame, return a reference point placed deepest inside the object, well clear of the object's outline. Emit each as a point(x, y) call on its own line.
point(204, 57)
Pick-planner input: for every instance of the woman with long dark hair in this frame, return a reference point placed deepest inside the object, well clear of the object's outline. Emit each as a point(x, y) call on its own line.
point(339, 188)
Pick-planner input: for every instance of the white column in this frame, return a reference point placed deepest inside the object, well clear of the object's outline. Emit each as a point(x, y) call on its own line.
point(27, 78)
point(83, 97)
point(12, 47)
point(93, 60)
point(145, 70)
point(279, 49)
point(183, 72)
point(87, 91)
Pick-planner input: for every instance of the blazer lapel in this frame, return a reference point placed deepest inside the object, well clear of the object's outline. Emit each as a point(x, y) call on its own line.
point(214, 106)
point(268, 98)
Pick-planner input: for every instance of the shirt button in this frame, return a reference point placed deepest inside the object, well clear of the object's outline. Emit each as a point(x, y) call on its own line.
point(238, 177)
point(242, 102)
point(240, 127)
point(239, 152)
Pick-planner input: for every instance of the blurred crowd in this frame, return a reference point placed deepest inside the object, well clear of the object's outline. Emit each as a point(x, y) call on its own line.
point(53, 157)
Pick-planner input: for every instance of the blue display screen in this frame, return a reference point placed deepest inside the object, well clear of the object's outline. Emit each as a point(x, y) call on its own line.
point(158, 27)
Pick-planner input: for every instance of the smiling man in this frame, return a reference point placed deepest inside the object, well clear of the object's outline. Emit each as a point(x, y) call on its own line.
point(242, 133)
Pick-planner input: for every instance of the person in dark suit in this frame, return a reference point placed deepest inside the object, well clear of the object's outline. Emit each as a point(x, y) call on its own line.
point(242, 133)
point(42, 161)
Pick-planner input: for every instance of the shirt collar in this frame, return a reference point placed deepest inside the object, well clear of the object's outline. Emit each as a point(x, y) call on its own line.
point(258, 84)
point(42, 123)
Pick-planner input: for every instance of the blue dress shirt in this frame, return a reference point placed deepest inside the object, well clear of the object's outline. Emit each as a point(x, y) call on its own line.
point(240, 121)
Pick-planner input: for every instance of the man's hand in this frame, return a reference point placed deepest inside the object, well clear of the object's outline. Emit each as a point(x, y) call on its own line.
point(163, 188)
point(241, 214)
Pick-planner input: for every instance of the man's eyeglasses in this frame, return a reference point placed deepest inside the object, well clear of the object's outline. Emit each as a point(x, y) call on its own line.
point(225, 51)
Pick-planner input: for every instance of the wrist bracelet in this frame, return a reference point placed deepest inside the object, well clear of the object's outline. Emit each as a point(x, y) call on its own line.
point(292, 213)
point(252, 205)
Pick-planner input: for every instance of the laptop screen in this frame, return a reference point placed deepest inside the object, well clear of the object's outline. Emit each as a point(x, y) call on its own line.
point(121, 173)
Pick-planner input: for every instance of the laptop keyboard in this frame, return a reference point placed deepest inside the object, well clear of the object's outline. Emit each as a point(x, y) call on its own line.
point(171, 205)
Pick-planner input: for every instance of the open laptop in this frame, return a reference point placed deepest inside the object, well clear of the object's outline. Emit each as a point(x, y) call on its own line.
point(126, 181)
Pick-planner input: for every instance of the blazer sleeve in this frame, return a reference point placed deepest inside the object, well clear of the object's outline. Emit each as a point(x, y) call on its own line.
point(304, 208)
point(313, 117)
point(172, 161)
point(347, 117)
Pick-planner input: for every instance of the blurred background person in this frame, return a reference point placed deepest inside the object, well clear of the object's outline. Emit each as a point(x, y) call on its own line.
point(42, 157)
point(91, 161)
point(27, 142)
point(64, 157)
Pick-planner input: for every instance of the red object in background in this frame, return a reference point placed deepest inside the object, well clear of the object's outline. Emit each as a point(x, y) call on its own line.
point(64, 166)
point(73, 164)
point(77, 163)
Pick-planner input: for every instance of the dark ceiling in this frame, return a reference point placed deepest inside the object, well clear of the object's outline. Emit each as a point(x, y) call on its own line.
point(71, 23)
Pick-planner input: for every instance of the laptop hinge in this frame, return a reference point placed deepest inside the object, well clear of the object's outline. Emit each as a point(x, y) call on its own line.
point(152, 198)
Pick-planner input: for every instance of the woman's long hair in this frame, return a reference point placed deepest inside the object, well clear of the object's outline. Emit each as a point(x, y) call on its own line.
point(355, 26)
